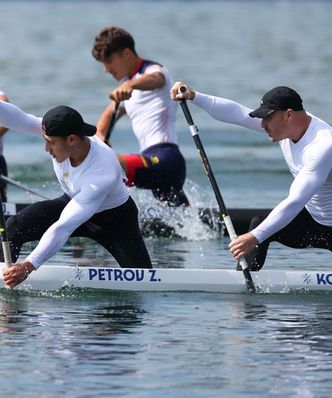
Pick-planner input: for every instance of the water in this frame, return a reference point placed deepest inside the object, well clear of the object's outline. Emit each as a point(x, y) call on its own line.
point(79, 344)
point(179, 345)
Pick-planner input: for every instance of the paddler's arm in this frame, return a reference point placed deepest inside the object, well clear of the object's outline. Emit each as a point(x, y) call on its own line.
point(3, 129)
point(148, 81)
point(14, 118)
point(105, 118)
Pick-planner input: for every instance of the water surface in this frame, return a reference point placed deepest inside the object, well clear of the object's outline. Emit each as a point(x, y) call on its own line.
point(88, 344)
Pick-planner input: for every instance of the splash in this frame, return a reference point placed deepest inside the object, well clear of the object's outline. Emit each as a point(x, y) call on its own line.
point(198, 222)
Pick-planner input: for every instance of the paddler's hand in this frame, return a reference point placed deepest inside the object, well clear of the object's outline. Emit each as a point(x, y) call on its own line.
point(178, 95)
point(243, 245)
point(123, 92)
point(17, 273)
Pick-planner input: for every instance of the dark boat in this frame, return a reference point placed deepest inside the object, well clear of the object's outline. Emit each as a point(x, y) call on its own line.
point(156, 225)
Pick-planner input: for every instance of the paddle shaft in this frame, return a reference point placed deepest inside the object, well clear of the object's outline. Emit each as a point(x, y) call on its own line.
point(112, 122)
point(21, 186)
point(4, 239)
point(223, 210)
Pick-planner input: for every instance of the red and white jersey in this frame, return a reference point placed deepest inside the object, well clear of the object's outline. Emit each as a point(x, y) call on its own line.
point(152, 112)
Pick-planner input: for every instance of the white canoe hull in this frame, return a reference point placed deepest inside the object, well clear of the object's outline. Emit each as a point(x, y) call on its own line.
point(55, 277)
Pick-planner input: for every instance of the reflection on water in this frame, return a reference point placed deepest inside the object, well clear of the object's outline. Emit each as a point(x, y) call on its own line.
point(123, 335)
point(11, 312)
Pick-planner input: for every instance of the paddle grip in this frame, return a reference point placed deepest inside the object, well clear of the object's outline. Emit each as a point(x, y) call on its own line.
point(230, 228)
point(233, 235)
point(6, 254)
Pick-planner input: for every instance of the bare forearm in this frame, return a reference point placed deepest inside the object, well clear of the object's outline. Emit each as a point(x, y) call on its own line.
point(105, 118)
point(149, 81)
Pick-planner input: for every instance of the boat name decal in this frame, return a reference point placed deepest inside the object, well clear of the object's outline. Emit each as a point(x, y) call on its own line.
point(123, 275)
point(307, 279)
point(324, 279)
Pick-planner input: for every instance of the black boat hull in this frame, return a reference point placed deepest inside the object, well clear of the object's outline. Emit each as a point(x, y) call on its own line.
point(156, 226)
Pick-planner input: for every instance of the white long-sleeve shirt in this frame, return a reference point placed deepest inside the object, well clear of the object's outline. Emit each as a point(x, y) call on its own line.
point(97, 184)
point(14, 118)
point(309, 160)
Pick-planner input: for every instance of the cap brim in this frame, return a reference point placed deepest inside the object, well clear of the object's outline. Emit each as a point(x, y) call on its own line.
point(88, 130)
point(261, 112)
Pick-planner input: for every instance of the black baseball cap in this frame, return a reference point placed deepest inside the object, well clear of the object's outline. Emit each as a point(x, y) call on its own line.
point(279, 98)
point(62, 121)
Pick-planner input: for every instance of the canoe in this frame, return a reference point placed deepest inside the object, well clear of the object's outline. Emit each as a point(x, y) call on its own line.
point(153, 224)
point(57, 277)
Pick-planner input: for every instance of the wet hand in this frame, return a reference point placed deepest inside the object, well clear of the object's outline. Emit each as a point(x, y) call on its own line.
point(243, 245)
point(17, 273)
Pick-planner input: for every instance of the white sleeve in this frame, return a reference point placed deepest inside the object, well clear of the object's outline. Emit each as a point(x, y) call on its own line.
point(14, 118)
point(227, 111)
point(318, 165)
point(80, 209)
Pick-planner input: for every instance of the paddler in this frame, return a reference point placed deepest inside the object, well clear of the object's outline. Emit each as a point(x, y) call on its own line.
point(95, 203)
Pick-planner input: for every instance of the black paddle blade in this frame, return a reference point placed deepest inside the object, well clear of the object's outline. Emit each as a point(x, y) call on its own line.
point(249, 282)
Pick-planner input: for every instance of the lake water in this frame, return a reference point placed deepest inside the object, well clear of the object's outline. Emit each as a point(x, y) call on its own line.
point(176, 344)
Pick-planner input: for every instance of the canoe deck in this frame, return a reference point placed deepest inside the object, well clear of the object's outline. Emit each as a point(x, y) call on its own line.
point(55, 277)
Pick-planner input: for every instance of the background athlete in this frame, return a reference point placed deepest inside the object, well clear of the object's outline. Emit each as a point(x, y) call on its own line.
point(304, 218)
point(144, 97)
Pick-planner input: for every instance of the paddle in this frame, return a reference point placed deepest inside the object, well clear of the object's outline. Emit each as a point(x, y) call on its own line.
point(21, 186)
point(223, 210)
point(112, 122)
point(4, 239)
